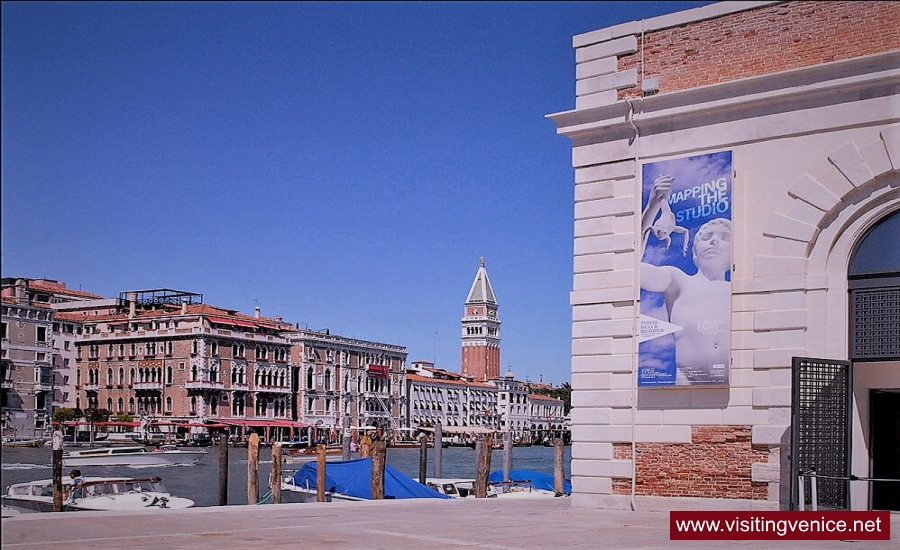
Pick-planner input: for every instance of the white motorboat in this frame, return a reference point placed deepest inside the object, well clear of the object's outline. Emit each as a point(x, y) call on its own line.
point(457, 488)
point(96, 493)
point(166, 455)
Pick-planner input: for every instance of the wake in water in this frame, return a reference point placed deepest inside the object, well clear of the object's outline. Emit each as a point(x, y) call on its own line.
point(20, 466)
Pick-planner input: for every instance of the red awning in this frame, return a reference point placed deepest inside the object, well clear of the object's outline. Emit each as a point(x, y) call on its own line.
point(378, 371)
point(233, 322)
point(262, 422)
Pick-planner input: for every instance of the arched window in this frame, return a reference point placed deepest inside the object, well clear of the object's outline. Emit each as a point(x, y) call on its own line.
point(327, 379)
point(169, 373)
point(121, 376)
point(309, 379)
point(131, 405)
point(121, 405)
point(169, 404)
point(874, 282)
point(109, 377)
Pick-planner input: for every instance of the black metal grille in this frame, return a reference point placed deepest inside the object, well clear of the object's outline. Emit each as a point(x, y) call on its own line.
point(820, 433)
point(875, 323)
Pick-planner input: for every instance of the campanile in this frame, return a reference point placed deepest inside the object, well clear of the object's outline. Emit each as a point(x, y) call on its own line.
point(481, 330)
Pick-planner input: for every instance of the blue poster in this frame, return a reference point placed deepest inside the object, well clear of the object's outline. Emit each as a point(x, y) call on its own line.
point(685, 272)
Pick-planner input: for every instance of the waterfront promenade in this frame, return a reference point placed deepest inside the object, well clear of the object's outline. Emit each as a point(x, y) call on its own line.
point(388, 524)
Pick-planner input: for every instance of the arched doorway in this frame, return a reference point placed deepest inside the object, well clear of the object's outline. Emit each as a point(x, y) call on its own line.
point(873, 278)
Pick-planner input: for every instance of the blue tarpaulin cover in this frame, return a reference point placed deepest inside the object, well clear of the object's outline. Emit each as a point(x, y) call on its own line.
point(354, 478)
point(538, 480)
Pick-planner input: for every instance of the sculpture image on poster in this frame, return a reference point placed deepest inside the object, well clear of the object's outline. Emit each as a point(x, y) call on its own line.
point(685, 272)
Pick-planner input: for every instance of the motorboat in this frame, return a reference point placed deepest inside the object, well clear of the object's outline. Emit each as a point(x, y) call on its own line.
point(96, 493)
point(457, 487)
point(351, 480)
point(526, 483)
point(164, 455)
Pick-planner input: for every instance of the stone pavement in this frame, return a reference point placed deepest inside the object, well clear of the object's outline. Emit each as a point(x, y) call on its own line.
point(390, 524)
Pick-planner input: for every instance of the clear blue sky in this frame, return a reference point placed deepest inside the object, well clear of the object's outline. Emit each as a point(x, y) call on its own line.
point(343, 165)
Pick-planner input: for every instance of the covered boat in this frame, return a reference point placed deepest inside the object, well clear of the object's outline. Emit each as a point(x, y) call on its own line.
point(527, 481)
point(351, 480)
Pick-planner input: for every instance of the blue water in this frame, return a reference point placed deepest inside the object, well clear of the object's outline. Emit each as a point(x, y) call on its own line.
point(201, 482)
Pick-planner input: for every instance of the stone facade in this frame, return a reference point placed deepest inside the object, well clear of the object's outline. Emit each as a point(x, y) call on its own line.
point(804, 96)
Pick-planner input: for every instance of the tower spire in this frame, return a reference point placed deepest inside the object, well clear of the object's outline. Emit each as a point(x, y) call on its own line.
point(481, 329)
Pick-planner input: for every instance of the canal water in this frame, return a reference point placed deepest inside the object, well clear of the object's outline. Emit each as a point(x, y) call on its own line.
point(200, 482)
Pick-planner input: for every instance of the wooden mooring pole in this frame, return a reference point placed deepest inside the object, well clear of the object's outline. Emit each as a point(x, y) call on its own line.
point(423, 458)
point(223, 471)
point(275, 485)
point(379, 457)
point(558, 466)
point(321, 458)
point(253, 469)
point(438, 450)
point(57, 471)
point(484, 466)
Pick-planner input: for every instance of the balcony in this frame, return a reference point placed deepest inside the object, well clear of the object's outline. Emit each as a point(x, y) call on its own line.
point(43, 386)
point(204, 385)
point(273, 389)
point(7, 384)
point(152, 386)
point(92, 387)
point(238, 386)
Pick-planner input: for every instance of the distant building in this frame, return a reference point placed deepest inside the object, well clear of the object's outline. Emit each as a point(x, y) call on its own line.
point(736, 271)
point(38, 350)
point(481, 330)
point(346, 383)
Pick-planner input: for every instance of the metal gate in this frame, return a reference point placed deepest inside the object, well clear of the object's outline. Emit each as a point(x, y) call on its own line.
point(820, 431)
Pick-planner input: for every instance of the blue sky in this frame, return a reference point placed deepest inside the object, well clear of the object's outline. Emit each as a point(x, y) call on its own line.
point(343, 165)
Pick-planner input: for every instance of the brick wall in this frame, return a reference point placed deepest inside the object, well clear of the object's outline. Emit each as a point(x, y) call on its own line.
point(765, 40)
point(716, 464)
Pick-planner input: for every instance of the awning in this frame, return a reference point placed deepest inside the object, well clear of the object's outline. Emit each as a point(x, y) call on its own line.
point(461, 430)
point(378, 371)
point(262, 422)
point(227, 321)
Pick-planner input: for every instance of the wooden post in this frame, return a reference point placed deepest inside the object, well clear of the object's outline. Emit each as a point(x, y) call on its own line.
point(438, 450)
point(484, 466)
point(57, 471)
point(223, 471)
point(423, 458)
point(507, 455)
point(253, 469)
point(558, 467)
point(379, 457)
point(321, 458)
point(276, 473)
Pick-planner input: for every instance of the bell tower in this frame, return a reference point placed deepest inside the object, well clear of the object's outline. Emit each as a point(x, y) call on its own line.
point(481, 330)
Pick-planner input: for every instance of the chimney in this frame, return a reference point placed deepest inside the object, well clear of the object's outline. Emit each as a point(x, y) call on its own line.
point(132, 304)
point(21, 294)
point(183, 306)
point(257, 312)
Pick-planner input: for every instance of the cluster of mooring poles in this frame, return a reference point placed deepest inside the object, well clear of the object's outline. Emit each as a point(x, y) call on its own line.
point(368, 447)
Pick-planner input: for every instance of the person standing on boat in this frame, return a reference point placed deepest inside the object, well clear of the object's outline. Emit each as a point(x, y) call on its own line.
point(77, 483)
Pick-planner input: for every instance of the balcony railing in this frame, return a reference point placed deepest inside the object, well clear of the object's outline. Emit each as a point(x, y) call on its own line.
point(158, 386)
point(91, 387)
point(204, 385)
point(273, 389)
point(7, 384)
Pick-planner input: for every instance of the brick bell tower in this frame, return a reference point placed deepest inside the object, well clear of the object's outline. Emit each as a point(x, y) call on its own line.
point(481, 330)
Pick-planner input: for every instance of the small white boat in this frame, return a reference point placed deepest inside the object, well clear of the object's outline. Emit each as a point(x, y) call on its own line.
point(457, 488)
point(165, 455)
point(96, 493)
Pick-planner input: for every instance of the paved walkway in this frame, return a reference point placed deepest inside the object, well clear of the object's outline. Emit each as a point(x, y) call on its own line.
point(391, 524)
